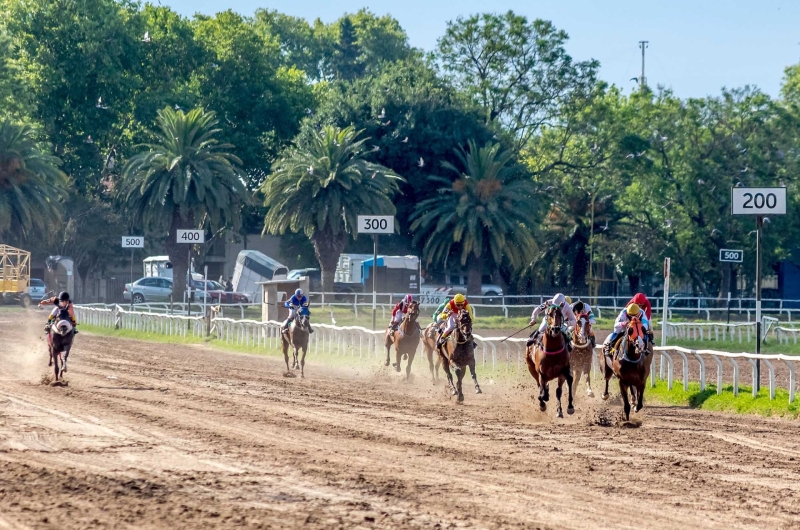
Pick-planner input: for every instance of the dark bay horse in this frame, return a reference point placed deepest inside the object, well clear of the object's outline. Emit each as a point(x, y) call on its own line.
point(405, 340)
point(630, 362)
point(59, 341)
point(550, 360)
point(296, 337)
point(459, 352)
point(582, 352)
point(429, 337)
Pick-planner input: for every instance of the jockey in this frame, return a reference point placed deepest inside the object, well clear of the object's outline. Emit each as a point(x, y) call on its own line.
point(298, 301)
point(619, 326)
point(582, 308)
point(62, 311)
point(439, 310)
point(566, 310)
point(450, 312)
point(400, 309)
point(641, 300)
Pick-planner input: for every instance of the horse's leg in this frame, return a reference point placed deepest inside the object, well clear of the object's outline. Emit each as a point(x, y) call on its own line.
point(295, 355)
point(640, 396)
point(285, 348)
point(411, 356)
point(623, 389)
point(388, 348)
point(588, 382)
point(460, 375)
point(559, 411)
point(570, 380)
point(55, 363)
point(543, 394)
point(607, 373)
point(429, 355)
point(303, 362)
point(474, 377)
point(397, 356)
point(446, 366)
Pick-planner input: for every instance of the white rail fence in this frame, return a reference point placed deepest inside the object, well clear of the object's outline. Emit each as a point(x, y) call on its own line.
point(357, 341)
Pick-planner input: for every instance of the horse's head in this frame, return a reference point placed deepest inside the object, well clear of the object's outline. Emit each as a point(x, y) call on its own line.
point(62, 328)
point(464, 323)
point(636, 338)
point(413, 311)
point(302, 320)
point(555, 320)
point(583, 330)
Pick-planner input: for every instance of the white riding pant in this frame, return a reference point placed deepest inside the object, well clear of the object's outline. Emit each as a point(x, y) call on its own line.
point(451, 324)
point(396, 319)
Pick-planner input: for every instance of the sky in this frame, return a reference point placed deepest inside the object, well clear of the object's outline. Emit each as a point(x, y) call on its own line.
point(696, 47)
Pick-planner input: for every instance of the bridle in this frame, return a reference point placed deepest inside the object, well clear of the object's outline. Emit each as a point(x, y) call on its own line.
point(555, 319)
point(583, 324)
point(410, 317)
point(464, 327)
point(634, 333)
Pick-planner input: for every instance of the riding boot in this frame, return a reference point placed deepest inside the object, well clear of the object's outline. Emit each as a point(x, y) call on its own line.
point(593, 340)
point(534, 337)
point(474, 344)
point(308, 326)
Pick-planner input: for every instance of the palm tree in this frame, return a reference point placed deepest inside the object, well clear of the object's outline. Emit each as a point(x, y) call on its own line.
point(183, 180)
point(486, 210)
point(32, 186)
point(321, 186)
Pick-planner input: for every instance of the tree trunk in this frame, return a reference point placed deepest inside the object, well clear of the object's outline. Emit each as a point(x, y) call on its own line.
point(178, 254)
point(327, 249)
point(474, 273)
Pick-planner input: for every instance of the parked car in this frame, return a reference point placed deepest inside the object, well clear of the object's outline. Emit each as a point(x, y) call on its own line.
point(315, 282)
point(215, 293)
point(152, 289)
point(457, 283)
point(37, 289)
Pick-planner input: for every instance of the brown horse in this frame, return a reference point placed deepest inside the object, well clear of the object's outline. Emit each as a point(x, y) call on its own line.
point(459, 352)
point(296, 337)
point(550, 360)
point(429, 337)
point(59, 342)
point(405, 340)
point(630, 362)
point(582, 352)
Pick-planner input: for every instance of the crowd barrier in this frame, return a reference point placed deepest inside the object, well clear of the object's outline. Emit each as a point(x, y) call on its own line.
point(365, 343)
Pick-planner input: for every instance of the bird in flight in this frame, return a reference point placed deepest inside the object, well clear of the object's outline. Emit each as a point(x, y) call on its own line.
point(146, 37)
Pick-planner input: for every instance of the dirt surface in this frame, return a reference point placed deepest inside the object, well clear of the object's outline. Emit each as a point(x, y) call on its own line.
point(160, 436)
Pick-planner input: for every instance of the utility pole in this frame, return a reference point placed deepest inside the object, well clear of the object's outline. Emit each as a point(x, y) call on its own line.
point(643, 79)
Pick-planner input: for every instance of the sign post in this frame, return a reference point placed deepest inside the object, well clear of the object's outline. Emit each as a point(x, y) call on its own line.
point(189, 237)
point(758, 202)
point(375, 224)
point(132, 242)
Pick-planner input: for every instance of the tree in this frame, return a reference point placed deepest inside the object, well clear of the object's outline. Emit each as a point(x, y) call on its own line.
point(320, 187)
point(485, 214)
point(185, 179)
point(517, 71)
point(32, 185)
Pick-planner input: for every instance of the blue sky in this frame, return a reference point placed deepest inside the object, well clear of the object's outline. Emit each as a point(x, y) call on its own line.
point(696, 47)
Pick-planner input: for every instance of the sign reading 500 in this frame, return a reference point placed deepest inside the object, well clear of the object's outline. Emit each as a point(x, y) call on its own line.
point(376, 224)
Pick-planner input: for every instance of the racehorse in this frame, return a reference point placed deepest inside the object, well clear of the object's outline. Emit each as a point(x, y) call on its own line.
point(460, 352)
point(631, 364)
point(582, 353)
point(550, 360)
point(59, 342)
point(296, 337)
point(429, 337)
point(405, 340)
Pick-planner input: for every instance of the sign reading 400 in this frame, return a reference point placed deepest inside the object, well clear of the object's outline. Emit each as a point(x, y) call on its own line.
point(376, 224)
point(191, 237)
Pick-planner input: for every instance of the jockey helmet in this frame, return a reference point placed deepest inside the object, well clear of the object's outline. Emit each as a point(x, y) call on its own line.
point(559, 299)
point(640, 299)
point(459, 299)
point(407, 299)
point(568, 299)
point(578, 307)
point(633, 310)
point(63, 296)
point(298, 293)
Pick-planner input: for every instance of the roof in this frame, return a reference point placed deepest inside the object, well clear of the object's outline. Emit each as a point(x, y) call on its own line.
point(156, 258)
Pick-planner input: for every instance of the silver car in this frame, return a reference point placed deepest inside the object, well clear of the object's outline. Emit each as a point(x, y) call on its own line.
point(37, 289)
point(152, 289)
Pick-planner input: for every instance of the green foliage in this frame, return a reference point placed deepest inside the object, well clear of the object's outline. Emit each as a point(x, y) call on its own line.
point(485, 210)
point(321, 185)
point(32, 184)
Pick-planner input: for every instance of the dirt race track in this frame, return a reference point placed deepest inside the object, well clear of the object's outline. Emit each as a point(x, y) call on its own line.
point(165, 436)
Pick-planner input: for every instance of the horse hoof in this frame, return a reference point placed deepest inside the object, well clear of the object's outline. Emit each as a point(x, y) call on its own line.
point(547, 397)
point(589, 393)
point(478, 390)
point(460, 398)
point(387, 363)
point(560, 414)
point(453, 392)
point(605, 397)
point(396, 367)
point(570, 410)
point(542, 406)
point(637, 409)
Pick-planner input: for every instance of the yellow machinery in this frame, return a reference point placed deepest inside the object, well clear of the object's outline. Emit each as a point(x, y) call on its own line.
point(15, 275)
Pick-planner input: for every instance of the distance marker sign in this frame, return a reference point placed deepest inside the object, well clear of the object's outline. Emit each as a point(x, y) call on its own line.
point(132, 242)
point(732, 256)
point(191, 237)
point(758, 201)
point(376, 224)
